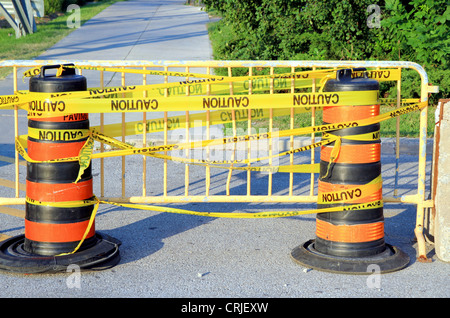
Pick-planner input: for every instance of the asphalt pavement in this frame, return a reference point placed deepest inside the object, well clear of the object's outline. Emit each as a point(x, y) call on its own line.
point(165, 255)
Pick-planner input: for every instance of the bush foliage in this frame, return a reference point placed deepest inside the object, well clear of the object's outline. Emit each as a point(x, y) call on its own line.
point(54, 6)
point(408, 30)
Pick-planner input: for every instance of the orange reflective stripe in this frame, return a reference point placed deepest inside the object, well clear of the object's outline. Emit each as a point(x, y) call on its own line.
point(59, 192)
point(349, 192)
point(51, 232)
point(361, 153)
point(356, 233)
point(42, 151)
point(337, 114)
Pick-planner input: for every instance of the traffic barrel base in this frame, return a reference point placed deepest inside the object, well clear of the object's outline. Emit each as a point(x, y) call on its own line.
point(390, 260)
point(104, 254)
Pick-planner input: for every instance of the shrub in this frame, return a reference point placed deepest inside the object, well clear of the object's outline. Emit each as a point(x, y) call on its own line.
point(54, 6)
point(411, 30)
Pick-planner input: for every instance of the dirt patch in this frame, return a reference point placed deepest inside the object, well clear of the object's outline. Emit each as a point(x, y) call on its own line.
point(4, 23)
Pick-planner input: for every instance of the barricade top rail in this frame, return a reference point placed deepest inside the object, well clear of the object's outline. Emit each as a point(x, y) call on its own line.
point(229, 63)
point(222, 63)
point(237, 63)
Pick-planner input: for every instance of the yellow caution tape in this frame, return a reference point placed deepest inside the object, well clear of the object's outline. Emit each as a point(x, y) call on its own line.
point(88, 228)
point(21, 150)
point(32, 72)
point(37, 70)
point(72, 204)
point(269, 214)
point(60, 104)
point(85, 157)
point(197, 119)
point(211, 79)
point(380, 75)
point(367, 121)
point(57, 134)
point(195, 144)
point(302, 74)
point(166, 87)
point(9, 100)
point(304, 130)
point(306, 168)
point(49, 108)
point(64, 204)
point(334, 154)
point(364, 137)
point(403, 101)
point(203, 86)
point(350, 194)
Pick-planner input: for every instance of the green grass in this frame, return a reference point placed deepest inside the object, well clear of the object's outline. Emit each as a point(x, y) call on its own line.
point(32, 45)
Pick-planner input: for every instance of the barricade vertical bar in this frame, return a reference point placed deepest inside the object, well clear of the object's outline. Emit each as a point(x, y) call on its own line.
point(208, 133)
point(144, 139)
point(397, 138)
point(123, 139)
point(233, 120)
point(270, 141)
point(102, 145)
point(291, 145)
point(313, 138)
point(269, 190)
point(207, 150)
point(16, 133)
point(249, 131)
point(422, 175)
point(186, 166)
point(166, 94)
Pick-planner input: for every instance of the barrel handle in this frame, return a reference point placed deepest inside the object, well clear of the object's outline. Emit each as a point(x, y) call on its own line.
point(65, 71)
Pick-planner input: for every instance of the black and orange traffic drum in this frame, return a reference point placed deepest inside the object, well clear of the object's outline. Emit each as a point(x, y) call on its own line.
point(59, 203)
point(351, 240)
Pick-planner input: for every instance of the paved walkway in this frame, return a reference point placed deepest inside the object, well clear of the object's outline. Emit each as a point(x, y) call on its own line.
point(139, 30)
point(136, 30)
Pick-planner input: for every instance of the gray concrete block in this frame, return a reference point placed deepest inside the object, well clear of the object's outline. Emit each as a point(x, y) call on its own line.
point(442, 210)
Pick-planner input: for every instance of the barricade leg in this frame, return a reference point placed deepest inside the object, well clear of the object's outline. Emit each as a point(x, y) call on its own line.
point(58, 209)
point(349, 241)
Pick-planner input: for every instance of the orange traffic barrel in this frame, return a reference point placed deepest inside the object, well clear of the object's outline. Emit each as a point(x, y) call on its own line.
point(350, 240)
point(58, 207)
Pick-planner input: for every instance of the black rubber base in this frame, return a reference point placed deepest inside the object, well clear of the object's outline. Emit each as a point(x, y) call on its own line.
point(14, 259)
point(391, 260)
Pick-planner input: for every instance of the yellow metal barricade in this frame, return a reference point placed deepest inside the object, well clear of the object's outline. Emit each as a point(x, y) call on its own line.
point(206, 100)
